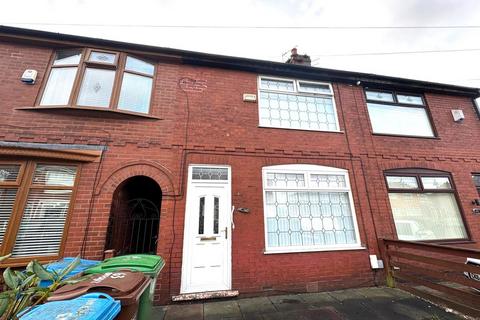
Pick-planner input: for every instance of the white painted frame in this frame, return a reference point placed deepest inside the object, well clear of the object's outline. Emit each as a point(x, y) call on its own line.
point(187, 225)
point(297, 92)
point(308, 169)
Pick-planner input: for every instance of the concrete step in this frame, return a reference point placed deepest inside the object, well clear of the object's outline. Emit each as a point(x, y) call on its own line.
point(205, 295)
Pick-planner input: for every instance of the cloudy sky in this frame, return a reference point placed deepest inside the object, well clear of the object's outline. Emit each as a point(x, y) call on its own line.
point(349, 35)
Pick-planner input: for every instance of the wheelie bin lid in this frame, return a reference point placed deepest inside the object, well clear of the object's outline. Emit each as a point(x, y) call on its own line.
point(92, 306)
point(60, 265)
point(124, 285)
point(148, 264)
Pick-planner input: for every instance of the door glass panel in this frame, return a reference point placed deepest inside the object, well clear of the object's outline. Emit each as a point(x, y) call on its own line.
point(215, 214)
point(96, 88)
point(209, 173)
point(201, 216)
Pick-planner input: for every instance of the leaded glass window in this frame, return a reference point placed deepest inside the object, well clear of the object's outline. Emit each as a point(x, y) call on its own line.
point(308, 207)
point(294, 104)
point(209, 173)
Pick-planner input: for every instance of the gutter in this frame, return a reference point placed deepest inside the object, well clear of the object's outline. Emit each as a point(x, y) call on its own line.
point(237, 63)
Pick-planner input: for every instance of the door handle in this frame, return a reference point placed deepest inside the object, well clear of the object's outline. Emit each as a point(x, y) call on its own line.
point(226, 232)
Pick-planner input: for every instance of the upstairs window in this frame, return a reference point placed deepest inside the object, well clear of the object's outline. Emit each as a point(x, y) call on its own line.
point(296, 104)
point(308, 208)
point(424, 205)
point(398, 114)
point(99, 79)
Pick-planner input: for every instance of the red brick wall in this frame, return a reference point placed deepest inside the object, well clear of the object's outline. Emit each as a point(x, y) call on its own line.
point(223, 129)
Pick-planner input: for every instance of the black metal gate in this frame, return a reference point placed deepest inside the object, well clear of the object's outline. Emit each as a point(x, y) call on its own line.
point(135, 231)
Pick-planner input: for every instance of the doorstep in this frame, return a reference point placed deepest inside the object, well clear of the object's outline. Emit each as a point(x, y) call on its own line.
point(205, 295)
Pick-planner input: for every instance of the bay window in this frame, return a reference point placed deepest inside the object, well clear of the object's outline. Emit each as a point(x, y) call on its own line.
point(308, 208)
point(35, 199)
point(424, 205)
point(106, 80)
point(297, 104)
point(398, 114)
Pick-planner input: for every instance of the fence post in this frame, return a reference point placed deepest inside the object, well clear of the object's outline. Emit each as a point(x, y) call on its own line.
point(390, 279)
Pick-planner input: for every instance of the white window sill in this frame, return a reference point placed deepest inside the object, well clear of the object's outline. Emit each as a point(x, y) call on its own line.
point(300, 250)
point(300, 129)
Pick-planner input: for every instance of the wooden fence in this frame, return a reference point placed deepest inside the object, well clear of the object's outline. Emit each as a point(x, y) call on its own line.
point(434, 272)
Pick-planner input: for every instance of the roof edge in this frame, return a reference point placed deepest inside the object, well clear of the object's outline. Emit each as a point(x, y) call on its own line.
point(244, 64)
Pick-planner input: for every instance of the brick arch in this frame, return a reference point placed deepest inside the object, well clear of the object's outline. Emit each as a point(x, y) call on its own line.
point(418, 165)
point(155, 171)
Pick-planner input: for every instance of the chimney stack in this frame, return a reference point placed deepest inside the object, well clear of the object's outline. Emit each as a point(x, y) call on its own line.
point(296, 58)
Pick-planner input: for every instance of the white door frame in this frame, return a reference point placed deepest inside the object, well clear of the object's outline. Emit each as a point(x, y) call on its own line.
point(188, 226)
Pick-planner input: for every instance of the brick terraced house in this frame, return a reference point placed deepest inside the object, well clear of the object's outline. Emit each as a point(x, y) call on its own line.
point(247, 176)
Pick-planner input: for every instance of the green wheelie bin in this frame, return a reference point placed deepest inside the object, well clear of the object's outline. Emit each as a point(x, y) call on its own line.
point(150, 265)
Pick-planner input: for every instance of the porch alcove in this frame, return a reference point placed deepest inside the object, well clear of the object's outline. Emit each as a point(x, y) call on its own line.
point(134, 217)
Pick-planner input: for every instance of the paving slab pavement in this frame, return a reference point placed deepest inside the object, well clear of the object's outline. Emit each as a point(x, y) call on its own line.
point(377, 303)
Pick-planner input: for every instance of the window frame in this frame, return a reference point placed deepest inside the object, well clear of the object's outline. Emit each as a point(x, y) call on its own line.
point(25, 184)
point(395, 103)
point(88, 54)
point(476, 187)
point(307, 170)
point(296, 91)
point(118, 67)
point(427, 173)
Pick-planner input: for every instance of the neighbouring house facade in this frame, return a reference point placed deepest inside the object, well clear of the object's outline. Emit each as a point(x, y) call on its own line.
point(244, 175)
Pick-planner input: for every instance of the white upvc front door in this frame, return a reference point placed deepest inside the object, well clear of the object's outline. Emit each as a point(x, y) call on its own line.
point(207, 242)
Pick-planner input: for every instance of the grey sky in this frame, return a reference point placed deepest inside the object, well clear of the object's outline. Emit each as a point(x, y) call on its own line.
point(453, 67)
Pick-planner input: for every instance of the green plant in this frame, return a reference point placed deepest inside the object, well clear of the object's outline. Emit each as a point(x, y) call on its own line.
point(24, 291)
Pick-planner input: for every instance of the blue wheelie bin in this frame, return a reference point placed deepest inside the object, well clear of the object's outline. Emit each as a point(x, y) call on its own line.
point(92, 306)
point(58, 266)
